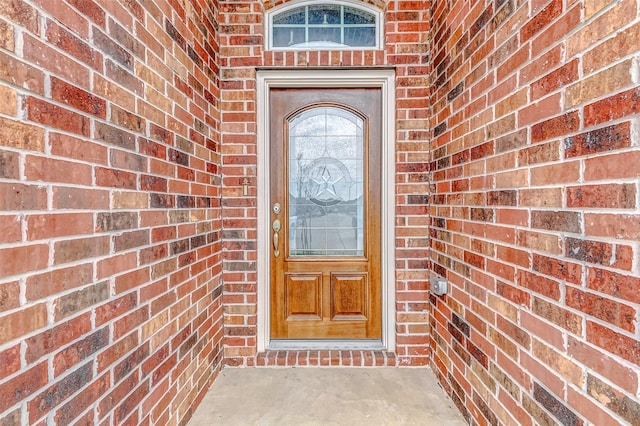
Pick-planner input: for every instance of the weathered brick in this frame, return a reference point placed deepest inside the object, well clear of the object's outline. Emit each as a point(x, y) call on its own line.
point(19, 73)
point(132, 401)
point(613, 166)
point(625, 406)
point(8, 97)
point(12, 418)
point(73, 45)
point(77, 98)
point(607, 81)
point(48, 114)
point(600, 140)
point(540, 20)
point(557, 315)
point(74, 302)
point(80, 198)
point(48, 283)
point(9, 296)
point(621, 44)
point(7, 36)
point(555, 80)
point(22, 386)
point(592, 251)
point(80, 350)
point(537, 412)
point(558, 268)
point(130, 321)
point(52, 339)
point(112, 49)
point(124, 367)
point(75, 406)
point(613, 283)
point(565, 415)
point(9, 165)
point(597, 29)
point(22, 322)
point(613, 107)
point(58, 392)
point(616, 343)
point(129, 240)
point(557, 31)
point(115, 178)
point(539, 241)
point(21, 135)
point(116, 221)
point(608, 310)
point(127, 119)
point(72, 250)
point(21, 13)
point(603, 364)
point(115, 264)
point(554, 127)
point(556, 221)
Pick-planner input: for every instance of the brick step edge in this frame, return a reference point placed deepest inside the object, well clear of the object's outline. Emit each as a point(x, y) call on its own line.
point(324, 358)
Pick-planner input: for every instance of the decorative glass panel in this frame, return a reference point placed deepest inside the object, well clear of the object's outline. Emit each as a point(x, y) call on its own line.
point(324, 14)
point(293, 16)
point(326, 183)
point(324, 26)
point(357, 16)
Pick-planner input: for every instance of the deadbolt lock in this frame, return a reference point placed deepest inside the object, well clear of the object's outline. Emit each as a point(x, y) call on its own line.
point(276, 208)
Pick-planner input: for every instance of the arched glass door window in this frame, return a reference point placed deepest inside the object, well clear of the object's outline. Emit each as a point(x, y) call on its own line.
point(331, 25)
point(326, 183)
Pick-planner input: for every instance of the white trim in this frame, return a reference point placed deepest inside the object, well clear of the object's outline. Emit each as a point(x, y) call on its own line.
point(268, 20)
point(327, 78)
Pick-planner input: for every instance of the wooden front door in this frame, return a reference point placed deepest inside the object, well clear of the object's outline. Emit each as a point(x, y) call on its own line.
point(325, 213)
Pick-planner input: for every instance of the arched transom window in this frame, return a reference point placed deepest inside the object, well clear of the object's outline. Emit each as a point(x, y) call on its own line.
point(324, 25)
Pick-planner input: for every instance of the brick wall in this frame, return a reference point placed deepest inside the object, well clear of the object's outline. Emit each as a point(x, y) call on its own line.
point(535, 218)
point(126, 126)
point(110, 267)
point(241, 51)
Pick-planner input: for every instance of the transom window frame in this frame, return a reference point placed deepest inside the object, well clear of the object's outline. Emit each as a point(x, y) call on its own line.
point(377, 13)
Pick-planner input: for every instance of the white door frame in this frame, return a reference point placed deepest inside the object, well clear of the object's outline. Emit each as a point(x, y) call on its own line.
point(327, 78)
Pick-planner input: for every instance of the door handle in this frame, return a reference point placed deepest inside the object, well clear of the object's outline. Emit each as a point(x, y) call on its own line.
point(276, 229)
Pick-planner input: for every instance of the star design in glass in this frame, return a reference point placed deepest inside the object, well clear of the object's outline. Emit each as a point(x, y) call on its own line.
point(326, 185)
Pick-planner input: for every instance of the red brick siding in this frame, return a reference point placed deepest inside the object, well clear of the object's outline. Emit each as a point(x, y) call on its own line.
point(126, 126)
point(242, 50)
point(534, 216)
point(110, 248)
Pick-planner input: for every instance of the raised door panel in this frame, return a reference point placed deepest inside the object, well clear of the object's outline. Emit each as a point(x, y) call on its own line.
point(349, 299)
point(303, 296)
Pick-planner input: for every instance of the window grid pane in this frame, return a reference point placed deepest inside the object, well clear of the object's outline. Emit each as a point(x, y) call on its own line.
point(324, 26)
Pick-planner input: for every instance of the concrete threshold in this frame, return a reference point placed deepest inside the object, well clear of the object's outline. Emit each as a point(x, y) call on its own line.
point(326, 396)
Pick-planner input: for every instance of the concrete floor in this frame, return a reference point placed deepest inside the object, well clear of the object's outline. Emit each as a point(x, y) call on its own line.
point(326, 396)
